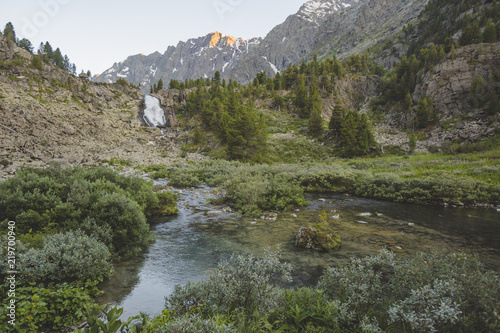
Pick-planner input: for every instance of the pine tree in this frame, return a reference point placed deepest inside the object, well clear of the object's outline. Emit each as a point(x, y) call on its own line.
point(57, 58)
point(426, 115)
point(348, 134)
point(159, 85)
point(365, 136)
point(10, 33)
point(471, 34)
point(490, 32)
point(25, 44)
point(412, 142)
point(301, 97)
point(216, 78)
point(316, 120)
point(337, 119)
point(453, 52)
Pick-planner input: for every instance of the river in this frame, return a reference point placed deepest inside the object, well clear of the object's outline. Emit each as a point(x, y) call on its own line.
point(192, 243)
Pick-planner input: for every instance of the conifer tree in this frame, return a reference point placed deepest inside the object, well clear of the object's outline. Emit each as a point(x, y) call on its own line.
point(490, 32)
point(337, 119)
point(471, 34)
point(25, 44)
point(348, 134)
point(10, 33)
point(316, 121)
point(301, 97)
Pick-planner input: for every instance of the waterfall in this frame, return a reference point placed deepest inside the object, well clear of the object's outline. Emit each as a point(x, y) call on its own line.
point(154, 115)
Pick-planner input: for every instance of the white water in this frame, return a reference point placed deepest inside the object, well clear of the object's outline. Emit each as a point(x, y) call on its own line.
point(153, 114)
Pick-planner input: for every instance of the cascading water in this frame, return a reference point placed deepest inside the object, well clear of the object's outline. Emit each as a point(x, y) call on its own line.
point(154, 115)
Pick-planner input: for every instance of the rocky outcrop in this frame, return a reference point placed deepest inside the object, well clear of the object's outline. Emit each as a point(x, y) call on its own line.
point(449, 83)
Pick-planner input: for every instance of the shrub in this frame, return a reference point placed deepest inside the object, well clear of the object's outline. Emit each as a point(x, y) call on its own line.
point(56, 200)
point(128, 224)
point(307, 308)
point(358, 285)
point(184, 180)
point(167, 203)
point(244, 284)
point(72, 256)
point(193, 324)
point(426, 293)
point(48, 309)
point(428, 309)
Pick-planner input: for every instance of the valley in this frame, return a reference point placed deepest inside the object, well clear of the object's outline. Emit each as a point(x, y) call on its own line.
point(340, 174)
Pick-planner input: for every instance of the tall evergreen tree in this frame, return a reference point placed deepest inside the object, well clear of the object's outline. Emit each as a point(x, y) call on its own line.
point(490, 32)
point(10, 33)
point(348, 134)
point(337, 119)
point(301, 97)
point(316, 120)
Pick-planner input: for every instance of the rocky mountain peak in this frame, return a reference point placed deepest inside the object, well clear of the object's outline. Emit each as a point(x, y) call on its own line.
point(316, 10)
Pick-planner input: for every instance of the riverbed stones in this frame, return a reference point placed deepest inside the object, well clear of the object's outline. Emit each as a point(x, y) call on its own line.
point(272, 217)
point(213, 212)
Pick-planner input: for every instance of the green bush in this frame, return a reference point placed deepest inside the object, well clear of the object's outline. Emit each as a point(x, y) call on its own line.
point(427, 293)
point(306, 309)
point(244, 284)
point(193, 324)
point(54, 200)
point(55, 308)
point(68, 257)
point(167, 203)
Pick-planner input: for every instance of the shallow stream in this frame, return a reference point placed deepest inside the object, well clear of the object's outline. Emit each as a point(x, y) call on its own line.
point(192, 243)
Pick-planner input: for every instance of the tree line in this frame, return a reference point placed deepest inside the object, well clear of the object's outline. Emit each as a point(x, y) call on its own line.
point(45, 52)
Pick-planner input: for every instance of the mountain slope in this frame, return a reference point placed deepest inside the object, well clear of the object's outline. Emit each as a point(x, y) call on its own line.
point(328, 27)
point(198, 57)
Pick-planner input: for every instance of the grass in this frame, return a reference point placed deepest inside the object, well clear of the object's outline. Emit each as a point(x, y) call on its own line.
point(468, 179)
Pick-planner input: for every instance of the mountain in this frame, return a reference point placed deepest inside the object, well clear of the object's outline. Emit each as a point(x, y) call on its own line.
point(320, 27)
point(327, 27)
point(198, 57)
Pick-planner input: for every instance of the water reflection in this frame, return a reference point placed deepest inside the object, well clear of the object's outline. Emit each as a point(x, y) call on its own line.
point(194, 242)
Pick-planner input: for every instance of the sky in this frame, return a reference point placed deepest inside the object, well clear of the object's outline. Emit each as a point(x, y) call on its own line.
point(97, 33)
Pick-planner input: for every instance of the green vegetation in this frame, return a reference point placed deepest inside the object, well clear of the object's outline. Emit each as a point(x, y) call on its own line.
point(105, 205)
point(427, 293)
point(42, 308)
point(45, 51)
point(70, 224)
point(435, 178)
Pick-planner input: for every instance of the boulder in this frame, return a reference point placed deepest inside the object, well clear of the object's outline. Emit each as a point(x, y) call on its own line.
point(320, 238)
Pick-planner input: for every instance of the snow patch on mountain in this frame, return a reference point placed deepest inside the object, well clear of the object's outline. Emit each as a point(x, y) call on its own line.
point(316, 10)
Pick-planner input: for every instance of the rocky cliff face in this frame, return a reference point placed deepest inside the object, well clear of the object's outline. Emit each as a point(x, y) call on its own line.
point(460, 111)
point(194, 59)
point(50, 115)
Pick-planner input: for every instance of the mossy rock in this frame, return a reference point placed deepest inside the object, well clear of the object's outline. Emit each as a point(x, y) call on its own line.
point(321, 238)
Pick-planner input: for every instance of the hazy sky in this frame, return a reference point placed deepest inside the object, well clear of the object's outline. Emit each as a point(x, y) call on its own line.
point(97, 33)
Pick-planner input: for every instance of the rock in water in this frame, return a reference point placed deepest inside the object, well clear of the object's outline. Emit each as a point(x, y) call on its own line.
point(317, 239)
